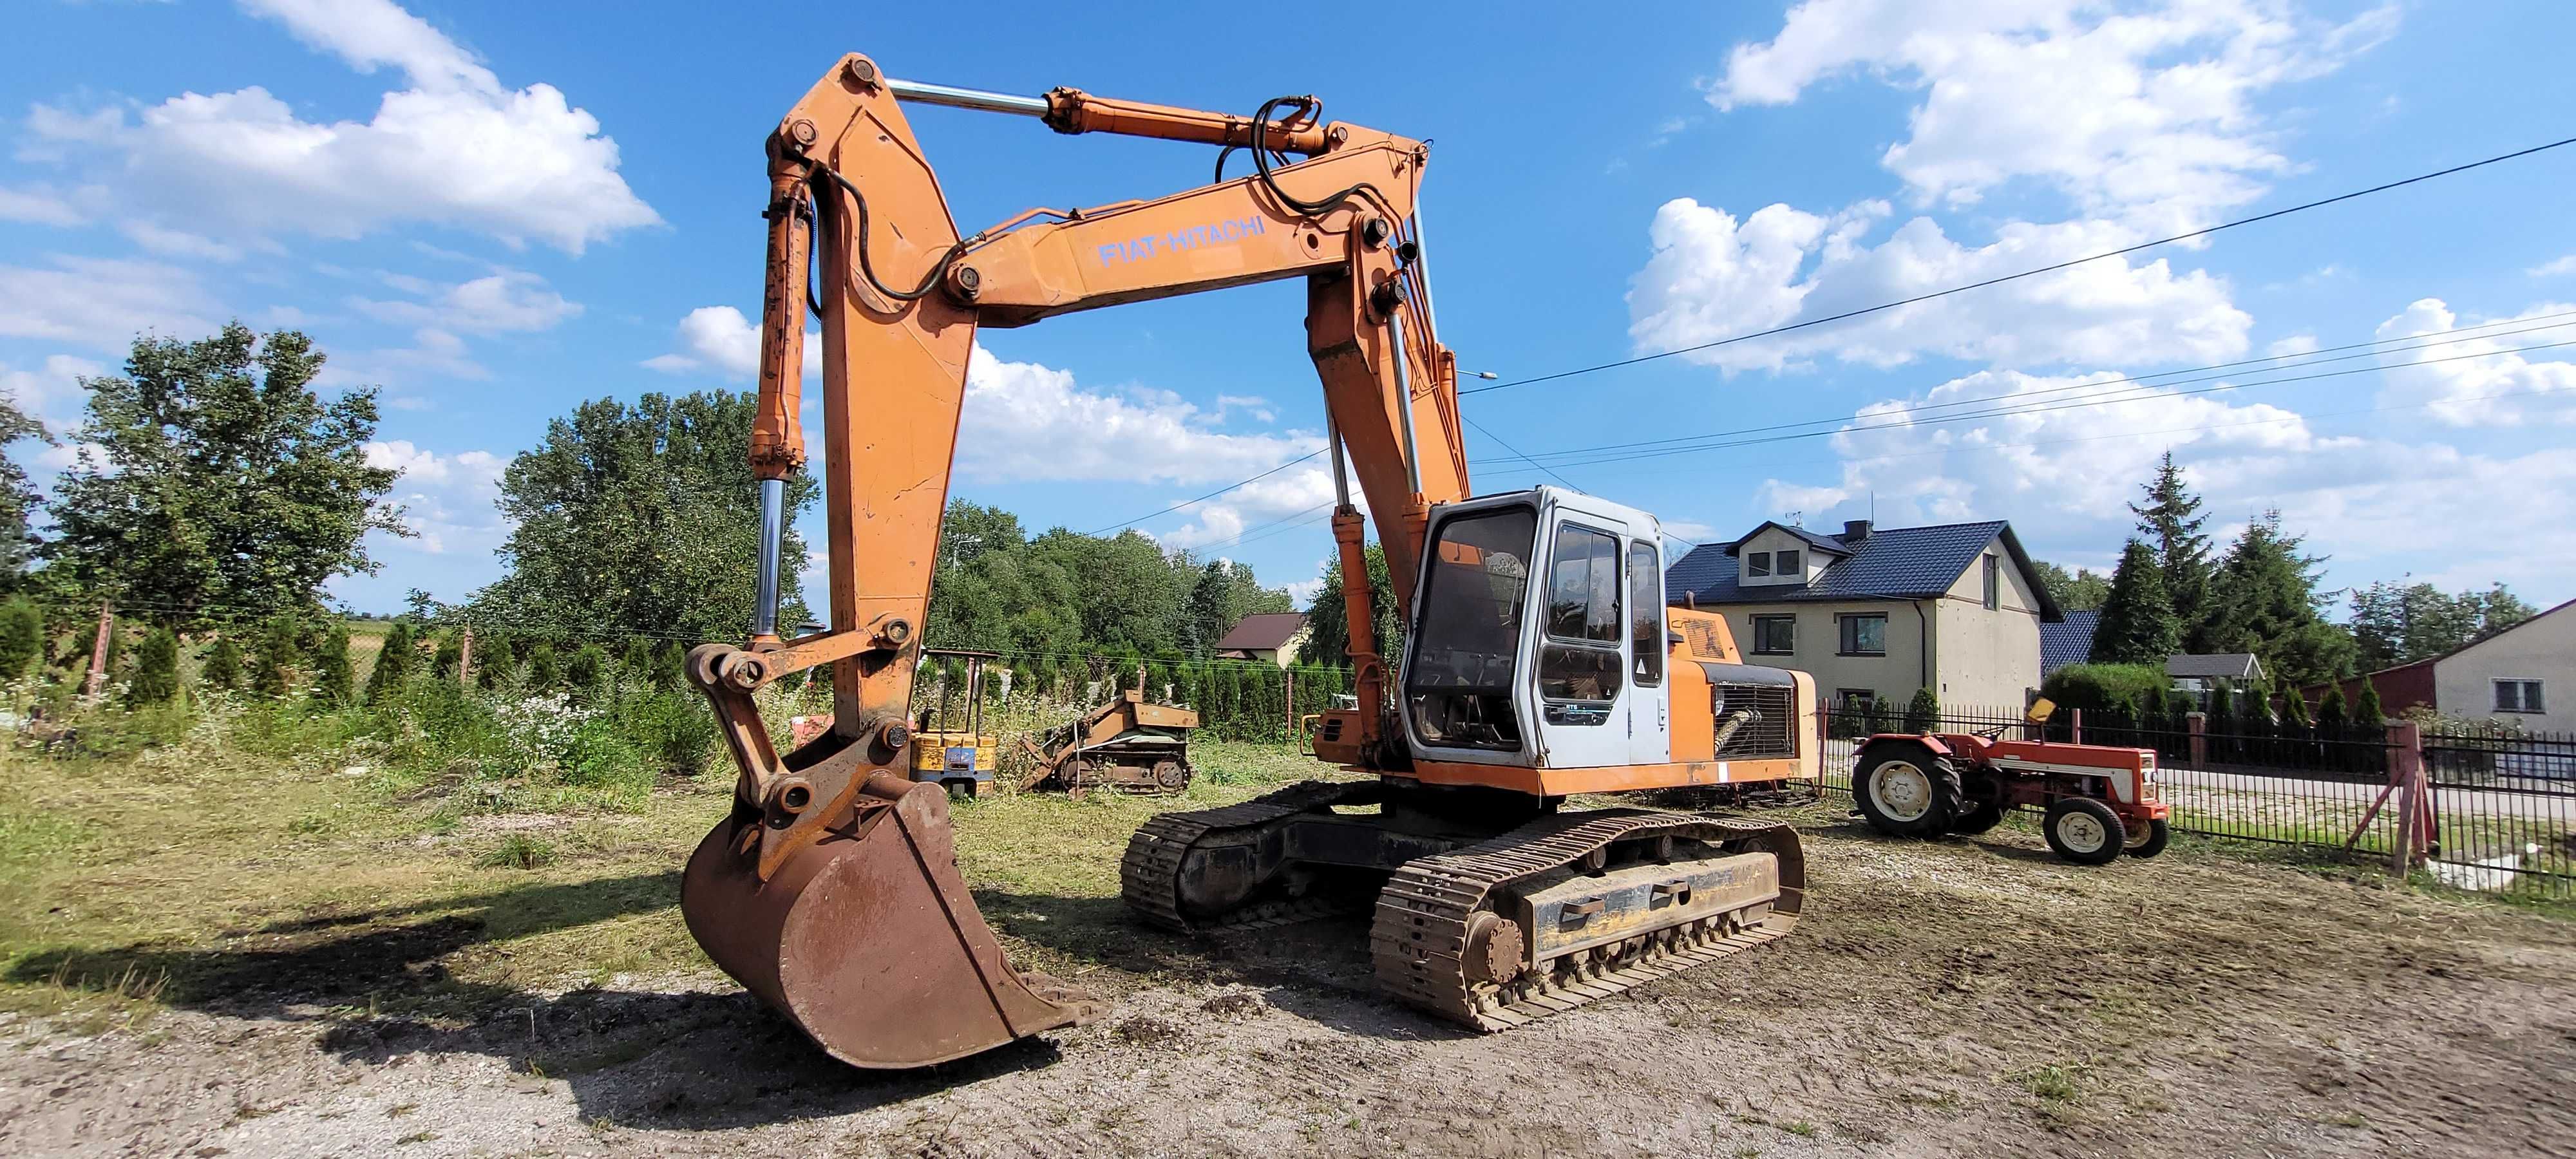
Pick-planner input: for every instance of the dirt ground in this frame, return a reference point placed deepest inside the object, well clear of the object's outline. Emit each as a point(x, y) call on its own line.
point(1950, 998)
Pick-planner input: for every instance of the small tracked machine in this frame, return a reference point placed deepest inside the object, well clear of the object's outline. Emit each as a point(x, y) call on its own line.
point(1127, 745)
point(1541, 661)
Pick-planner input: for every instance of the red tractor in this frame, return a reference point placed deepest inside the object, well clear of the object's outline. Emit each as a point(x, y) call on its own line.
point(2100, 801)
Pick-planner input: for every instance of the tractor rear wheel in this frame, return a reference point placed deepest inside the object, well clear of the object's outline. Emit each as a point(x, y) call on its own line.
point(1906, 791)
point(1979, 817)
point(2151, 842)
point(2084, 831)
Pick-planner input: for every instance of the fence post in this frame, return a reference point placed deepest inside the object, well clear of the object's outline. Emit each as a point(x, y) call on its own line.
point(2075, 726)
point(2199, 738)
point(465, 657)
point(2406, 745)
point(98, 652)
point(1290, 676)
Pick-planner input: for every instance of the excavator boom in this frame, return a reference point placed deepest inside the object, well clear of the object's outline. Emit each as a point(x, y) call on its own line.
point(831, 889)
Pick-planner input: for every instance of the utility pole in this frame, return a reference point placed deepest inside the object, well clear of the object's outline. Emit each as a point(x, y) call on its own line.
point(98, 650)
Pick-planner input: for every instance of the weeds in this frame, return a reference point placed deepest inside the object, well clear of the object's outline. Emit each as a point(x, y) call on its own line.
point(518, 851)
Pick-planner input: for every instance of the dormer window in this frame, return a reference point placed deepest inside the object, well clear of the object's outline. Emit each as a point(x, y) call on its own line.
point(1758, 563)
point(1787, 563)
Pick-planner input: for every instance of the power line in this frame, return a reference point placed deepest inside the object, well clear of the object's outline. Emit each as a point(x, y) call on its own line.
point(2007, 412)
point(1210, 495)
point(1995, 281)
point(2307, 355)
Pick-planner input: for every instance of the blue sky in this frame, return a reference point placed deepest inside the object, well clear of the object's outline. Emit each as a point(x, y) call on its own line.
point(495, 211)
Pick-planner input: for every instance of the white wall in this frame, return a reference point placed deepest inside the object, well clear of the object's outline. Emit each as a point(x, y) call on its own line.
point(1811, 562)
point(1895, 675)
point(1988, 658)
point(2543, 649)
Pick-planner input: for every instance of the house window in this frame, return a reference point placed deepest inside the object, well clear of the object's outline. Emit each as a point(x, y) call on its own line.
point(2518, 696)
point(1580, 660)
point(1786, 563)
point(1865, 635)
point(1994, 584)
point(1646, 612)
point(1758, 563)
point(1858, 699)
point(1775, 635)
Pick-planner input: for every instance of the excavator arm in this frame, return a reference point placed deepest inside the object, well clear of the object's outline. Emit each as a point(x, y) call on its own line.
point(859, 233)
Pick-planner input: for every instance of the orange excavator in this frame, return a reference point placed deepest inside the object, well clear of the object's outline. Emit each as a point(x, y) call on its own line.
point(1541, 659)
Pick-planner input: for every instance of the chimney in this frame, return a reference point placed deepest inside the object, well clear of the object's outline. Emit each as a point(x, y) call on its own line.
point(1854, 531)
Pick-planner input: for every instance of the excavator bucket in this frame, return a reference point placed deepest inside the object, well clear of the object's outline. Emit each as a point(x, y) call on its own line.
point(867, 938)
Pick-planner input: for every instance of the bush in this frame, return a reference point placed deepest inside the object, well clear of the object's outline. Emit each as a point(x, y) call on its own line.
point(588, 672)
point(223, 670)
point(451, 651)
point(334, 682)
point(156, 670)
point(545, 673)
point(393, 663)
point(2366, 708)
point(1924, 713)
point(22, 637)
point(495, 668)
point(272, 672)
point(2095, 688)
point(1882, 715)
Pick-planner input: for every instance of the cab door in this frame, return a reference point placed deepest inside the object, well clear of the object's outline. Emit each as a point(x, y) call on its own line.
point(1650, 740)
point(1580, 674)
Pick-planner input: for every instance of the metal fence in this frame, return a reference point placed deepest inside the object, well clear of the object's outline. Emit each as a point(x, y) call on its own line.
point(2498, 805)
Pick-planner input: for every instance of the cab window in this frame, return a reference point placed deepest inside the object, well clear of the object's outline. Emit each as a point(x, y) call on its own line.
point(1578, 664)
point(1646, 613)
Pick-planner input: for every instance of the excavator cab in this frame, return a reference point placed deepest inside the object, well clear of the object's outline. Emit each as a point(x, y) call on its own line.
point(1538, 638)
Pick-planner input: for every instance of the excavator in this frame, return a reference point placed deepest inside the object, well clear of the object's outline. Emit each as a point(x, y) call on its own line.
point(1541, 660)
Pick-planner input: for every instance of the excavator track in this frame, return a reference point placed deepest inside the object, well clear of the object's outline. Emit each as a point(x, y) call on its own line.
point(1147, 875)
point(1420, 936)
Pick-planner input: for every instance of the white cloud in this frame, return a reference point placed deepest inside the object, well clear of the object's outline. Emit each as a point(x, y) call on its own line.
point(457, 148)
point(1713, 277)
point(52, 393)
point(511, 300)
point(2064, 478)
point(2549, 269)
point(446, 499)
point(2292, 346)
point(2142, 112)
point(1690, 529)
point(720, 339)
point(1261, 507)
point(2461, 392)
point(101, 303)
point(40, 205)
point(176, 243)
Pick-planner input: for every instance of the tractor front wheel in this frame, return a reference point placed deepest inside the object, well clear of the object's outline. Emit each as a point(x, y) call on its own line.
point(1906, 791)
point(2151, 842)
point(2084, 831)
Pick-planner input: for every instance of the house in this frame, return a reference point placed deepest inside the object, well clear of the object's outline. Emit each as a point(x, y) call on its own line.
point(1271, 636)
point(2201, 673)
point(2525, 674)
point(2069, 641)
point(1880, 612)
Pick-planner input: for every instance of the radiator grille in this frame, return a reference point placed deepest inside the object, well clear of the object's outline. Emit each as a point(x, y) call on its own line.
point(1772, 732)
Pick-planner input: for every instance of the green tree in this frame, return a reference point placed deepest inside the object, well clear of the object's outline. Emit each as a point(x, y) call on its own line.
point(2330, 709)
point(223, 668)
point(670, 668)
point(1882, 714)
point(217, 479)
point(641, 518)
point(2138, 624)
point(2170, 520)
point(1329, 642)
point(495, 660)
point(2366, 709)
point(2294, 708)
point(1923, 714)
point(1211, 611)
point(272, 669)
point(588, 671)
point(394, 663)
point(22, 637)
point(156, 670)
point(333, 679)
point(2082, 591)
point(19, 499)
point(2269, 607)
point(638, 660)
point(545, 672)
point(450, 653)
point(2395, 624)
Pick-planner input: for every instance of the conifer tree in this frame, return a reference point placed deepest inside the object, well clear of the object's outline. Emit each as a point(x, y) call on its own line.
point(393, 663)
point(272, 672)
point(2366, 709)
point(588, 671)
point(1924, 713)
point(450, 653)
point(333, 679)
point(2170, 519)
point(2138, 625)
point(545, 672)
point(22, 637)
point(223, 669)
point(156, 670)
